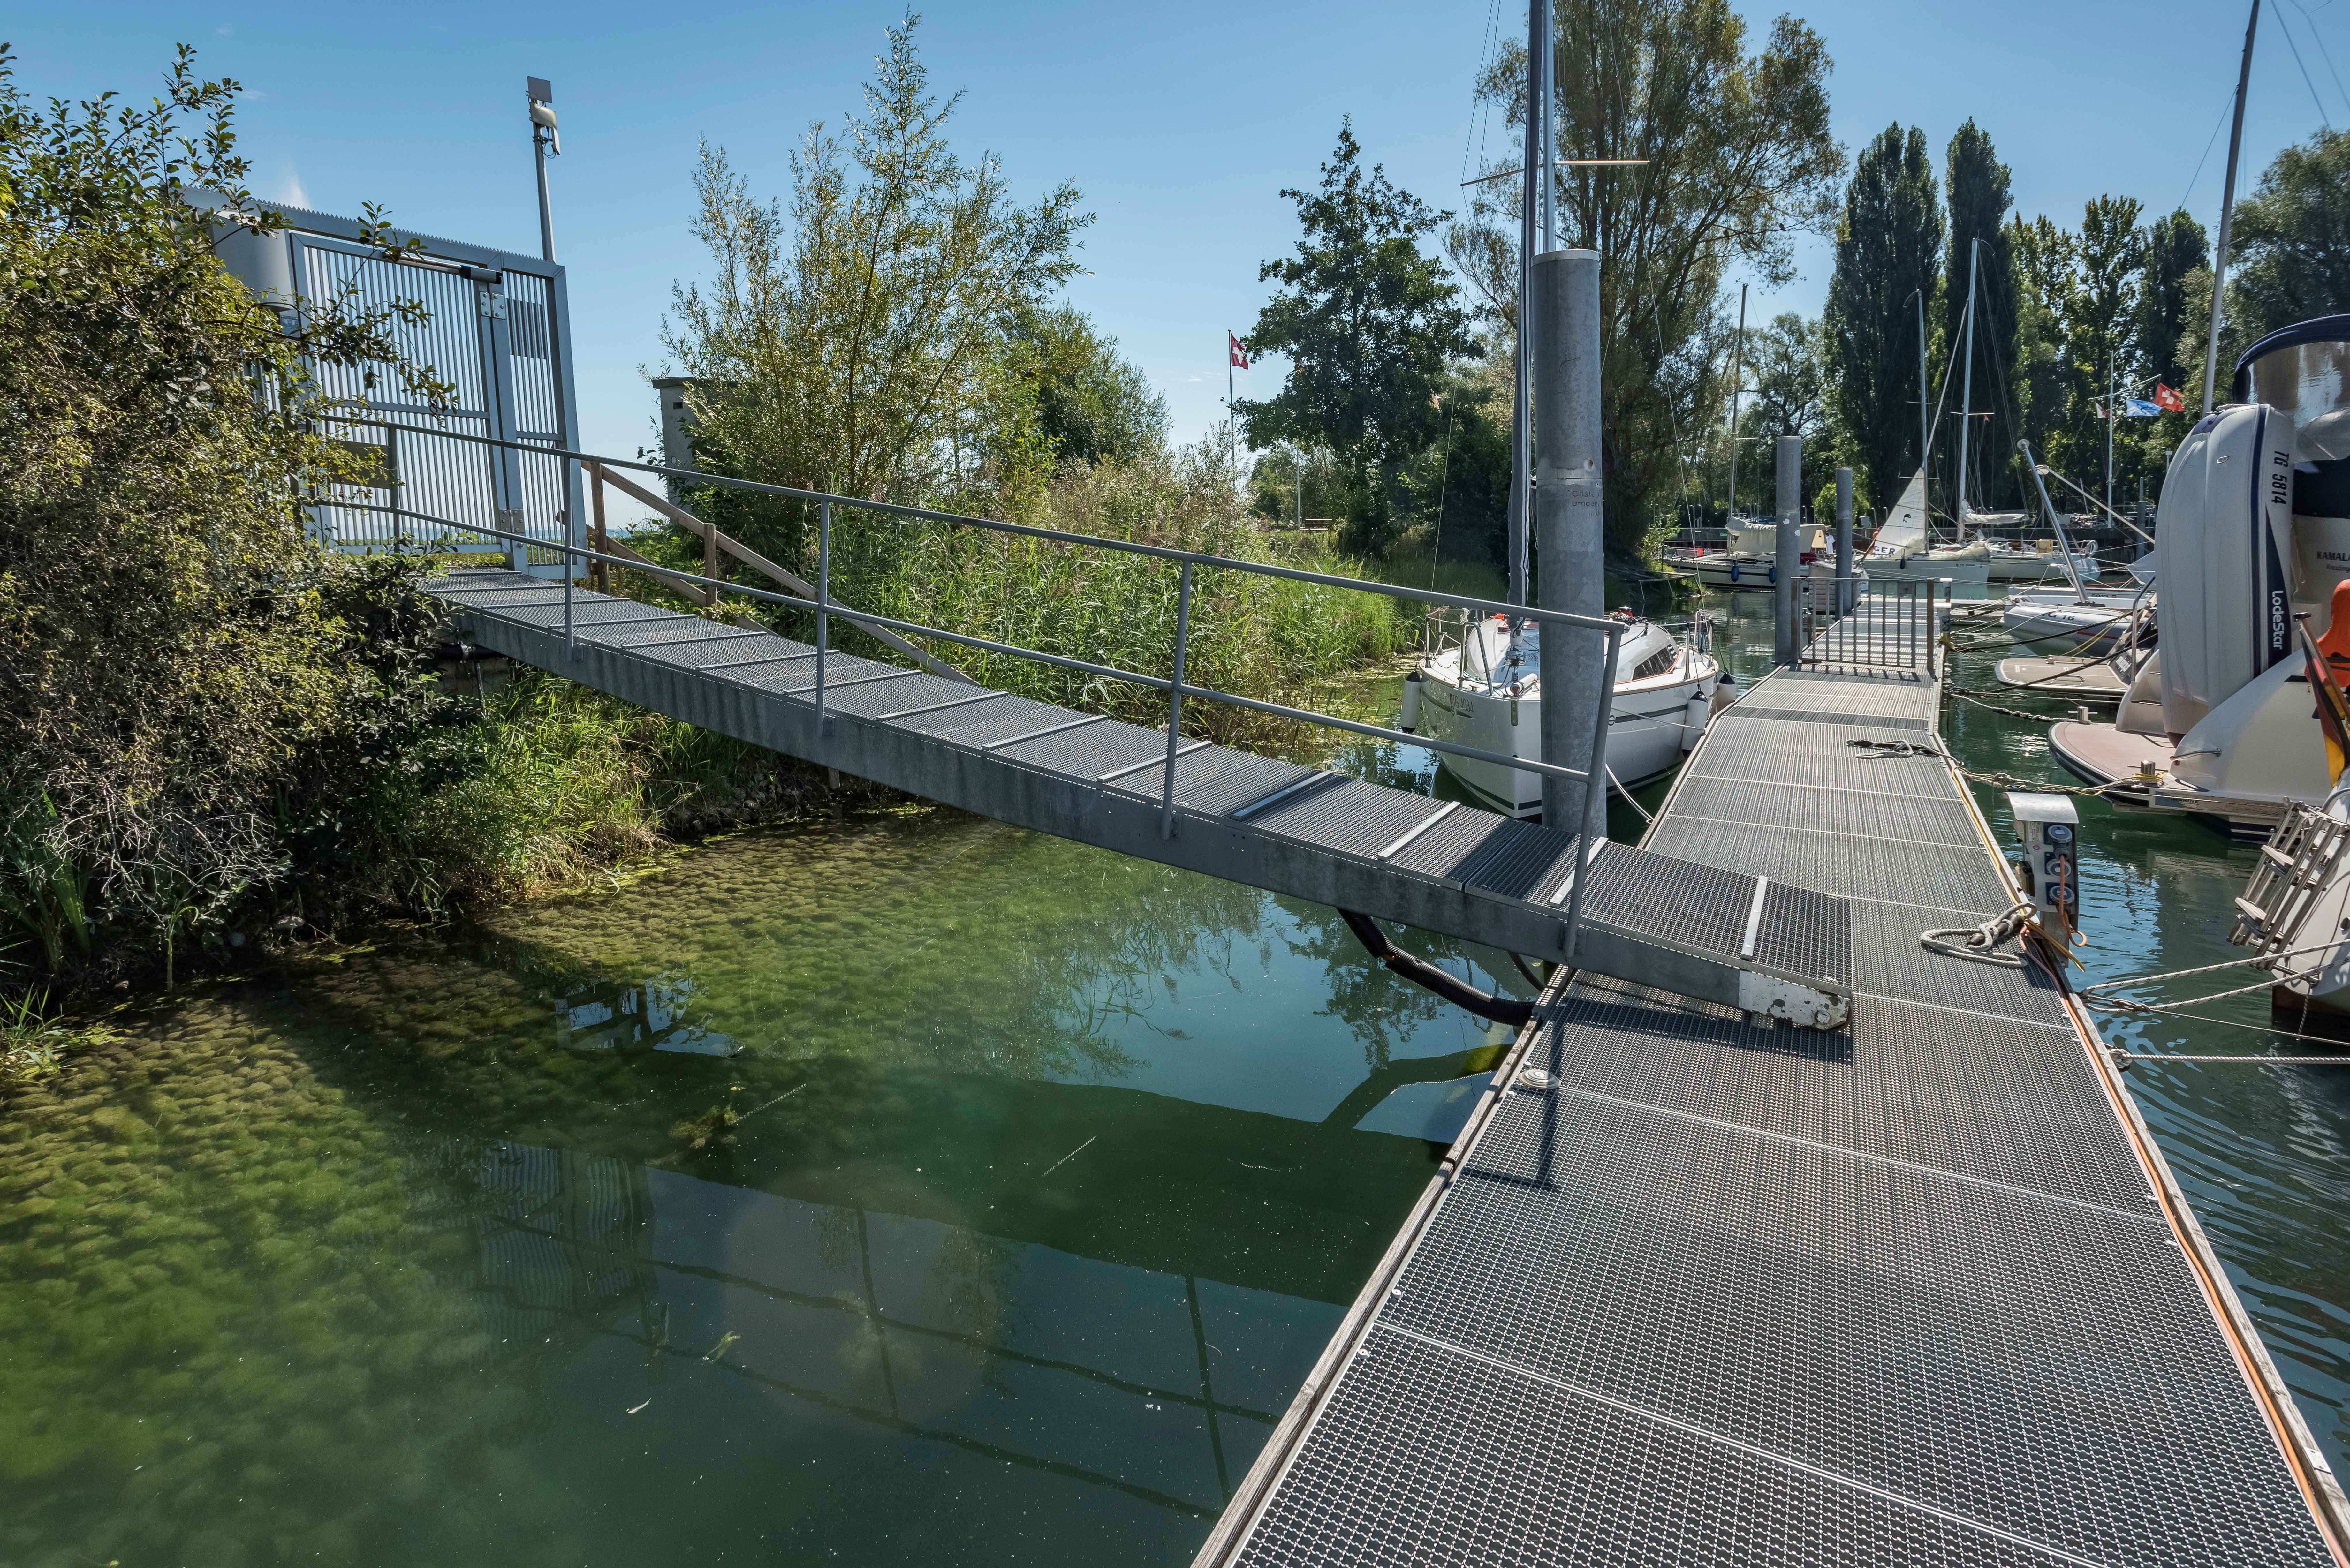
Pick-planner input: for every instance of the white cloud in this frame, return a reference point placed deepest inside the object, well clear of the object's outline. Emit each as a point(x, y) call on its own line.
point(289, 186)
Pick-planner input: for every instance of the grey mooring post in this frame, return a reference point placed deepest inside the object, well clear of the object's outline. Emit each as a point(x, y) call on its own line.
point(1567, 521)
point(1790, 541)
point(1844, 542)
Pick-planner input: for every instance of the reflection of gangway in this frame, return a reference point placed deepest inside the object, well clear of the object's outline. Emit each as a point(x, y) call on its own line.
point(1724, 937)
point(567, 1242)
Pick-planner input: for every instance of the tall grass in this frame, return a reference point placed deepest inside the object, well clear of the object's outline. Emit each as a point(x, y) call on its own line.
point(1258, 636)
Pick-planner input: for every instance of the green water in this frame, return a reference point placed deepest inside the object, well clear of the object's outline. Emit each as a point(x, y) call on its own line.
point(903, 1188)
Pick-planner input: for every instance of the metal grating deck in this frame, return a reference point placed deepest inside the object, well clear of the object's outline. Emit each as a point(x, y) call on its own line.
point(1269, 823)
point(1734, 1295)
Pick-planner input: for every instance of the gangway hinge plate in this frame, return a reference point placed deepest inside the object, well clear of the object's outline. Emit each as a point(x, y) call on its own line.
point(1790, 1002)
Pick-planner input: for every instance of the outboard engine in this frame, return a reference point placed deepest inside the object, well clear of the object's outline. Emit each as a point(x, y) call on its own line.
point(2226, 528)
point(2255, 526)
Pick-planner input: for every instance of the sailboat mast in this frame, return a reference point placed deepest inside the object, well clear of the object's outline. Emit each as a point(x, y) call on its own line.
point(2228, 209)
point(1544, 31)
point(1925, 412)
point(1737, 381)
point(1521, 432)
point(1967, 397)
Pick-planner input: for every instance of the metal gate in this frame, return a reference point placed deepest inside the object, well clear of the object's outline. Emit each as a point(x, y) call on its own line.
point(499, 331)
point(1890, 626)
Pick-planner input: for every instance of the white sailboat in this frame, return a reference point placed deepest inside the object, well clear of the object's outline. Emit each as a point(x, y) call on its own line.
point(1483, 686)
point(1904, 550)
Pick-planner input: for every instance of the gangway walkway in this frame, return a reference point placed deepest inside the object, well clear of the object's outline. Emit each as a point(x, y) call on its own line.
point(1753, 944)
point(1922, 1292)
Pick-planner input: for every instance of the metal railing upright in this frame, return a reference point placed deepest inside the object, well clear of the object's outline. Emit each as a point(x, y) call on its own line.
point(708, 586)
point(1890, 626)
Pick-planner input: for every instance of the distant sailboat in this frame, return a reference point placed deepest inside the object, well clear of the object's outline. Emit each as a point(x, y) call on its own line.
point(1904, 550)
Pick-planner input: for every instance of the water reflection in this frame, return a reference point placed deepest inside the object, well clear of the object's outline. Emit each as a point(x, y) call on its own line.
point(907, 1188)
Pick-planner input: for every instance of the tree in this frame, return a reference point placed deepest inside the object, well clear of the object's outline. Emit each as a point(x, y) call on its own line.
point(1788, 367)
point(2174, 247)
point(1886, 243)
point(2290, 241)
point(1978, 186)
point(2099, 314)
point(1739, 160)
point(1092, 403)
point(2043, 256)
point(197, 702)
point(852, 343)
point(1368, 323)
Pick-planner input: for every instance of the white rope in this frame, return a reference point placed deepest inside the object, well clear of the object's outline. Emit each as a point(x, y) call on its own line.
point(2094, 996)
point(1976, 944)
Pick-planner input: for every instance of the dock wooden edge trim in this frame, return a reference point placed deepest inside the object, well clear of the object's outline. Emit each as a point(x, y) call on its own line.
point(2329, 1507)
point(1288, 1438)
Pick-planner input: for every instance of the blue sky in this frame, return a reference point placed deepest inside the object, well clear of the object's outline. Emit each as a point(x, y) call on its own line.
point(1180, 124)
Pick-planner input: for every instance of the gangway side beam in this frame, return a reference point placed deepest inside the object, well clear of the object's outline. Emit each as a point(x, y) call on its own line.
point(1646, 917)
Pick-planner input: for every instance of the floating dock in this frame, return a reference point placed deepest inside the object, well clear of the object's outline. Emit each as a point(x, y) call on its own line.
point(1923, 1291)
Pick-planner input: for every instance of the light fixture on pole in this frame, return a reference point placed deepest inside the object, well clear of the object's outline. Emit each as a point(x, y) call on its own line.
point(543, 139)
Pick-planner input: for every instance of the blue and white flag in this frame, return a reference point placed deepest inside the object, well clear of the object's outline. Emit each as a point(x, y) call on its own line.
point(2139, 409)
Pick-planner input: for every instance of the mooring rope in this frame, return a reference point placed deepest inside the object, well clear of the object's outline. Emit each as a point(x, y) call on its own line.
point(1977, 944)
point(1879, 748)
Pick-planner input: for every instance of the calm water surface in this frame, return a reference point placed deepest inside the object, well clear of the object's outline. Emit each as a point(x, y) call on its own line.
point(905, 1188)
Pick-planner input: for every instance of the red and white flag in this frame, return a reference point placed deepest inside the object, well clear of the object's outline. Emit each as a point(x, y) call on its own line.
point(1238, 350)
point(2164, 398)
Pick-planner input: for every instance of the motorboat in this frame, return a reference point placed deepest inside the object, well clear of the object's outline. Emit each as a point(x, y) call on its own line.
point(2010, 562)
point(2253, 530)
point(1749, 560)
point(2070, 623)
point(1481, 685)
point(1904, 550)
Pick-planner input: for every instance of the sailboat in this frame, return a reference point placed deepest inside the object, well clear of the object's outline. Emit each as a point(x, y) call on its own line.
point(1481, 685)
point(1904, 550)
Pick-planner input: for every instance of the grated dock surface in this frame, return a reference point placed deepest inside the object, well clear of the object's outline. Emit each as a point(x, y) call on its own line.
point(1733, 1295)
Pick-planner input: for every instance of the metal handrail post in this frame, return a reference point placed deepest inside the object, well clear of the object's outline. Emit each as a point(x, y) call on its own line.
point(823, 609)
point(1594, 787)
point(570, 568)
point(1175, 702)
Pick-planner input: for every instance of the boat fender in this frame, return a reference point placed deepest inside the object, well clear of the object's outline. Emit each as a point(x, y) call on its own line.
point(1733, 565)
point(1420, 972)
point(1693, 718)
point(1725, 692)
point(1407, 716)
point(1513, 707)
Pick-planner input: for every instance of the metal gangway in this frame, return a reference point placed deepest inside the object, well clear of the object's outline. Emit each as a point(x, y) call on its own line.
point(1157, 793)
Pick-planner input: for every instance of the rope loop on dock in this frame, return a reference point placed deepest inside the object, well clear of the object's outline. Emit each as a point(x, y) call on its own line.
point(1980, 944)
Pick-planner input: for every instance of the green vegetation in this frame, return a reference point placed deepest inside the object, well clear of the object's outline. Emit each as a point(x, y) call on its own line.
point(943, 375)
point(216, 736)
point(1883, 286)
point(1740, 160)
point(1368, 323)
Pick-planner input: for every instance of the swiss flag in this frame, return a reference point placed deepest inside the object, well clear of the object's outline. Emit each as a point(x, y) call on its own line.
point(2164, 398)
point(1240, 351)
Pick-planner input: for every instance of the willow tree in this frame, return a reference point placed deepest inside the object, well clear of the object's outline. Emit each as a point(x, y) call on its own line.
point(1738, 160)
point(853, 342)
point(1888, 240)
point(2290, 240)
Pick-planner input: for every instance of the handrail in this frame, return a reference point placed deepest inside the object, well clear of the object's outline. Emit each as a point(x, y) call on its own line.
point(1058, 536)
point(1111, 671)
point(1592, 776)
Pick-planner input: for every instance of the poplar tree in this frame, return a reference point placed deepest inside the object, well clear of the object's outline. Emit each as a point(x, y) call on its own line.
point(1886, 242)
point(2044, 254)
point(2099, 315)
point(1979, 195)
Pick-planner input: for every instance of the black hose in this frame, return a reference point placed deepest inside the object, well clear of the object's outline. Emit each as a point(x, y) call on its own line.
point(1420, 972)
